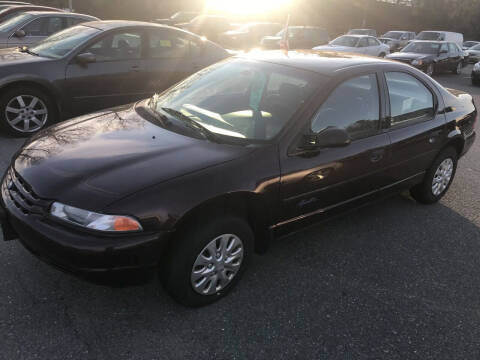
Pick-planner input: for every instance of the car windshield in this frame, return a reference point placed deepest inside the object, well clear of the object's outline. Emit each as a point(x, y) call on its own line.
point(428, 35)
point(15, 22)
point(393, 35)
point(60, 44)
point(469, 43)
point(349, 41)
point(422, 48)
point(239, 99)
point(476, 47)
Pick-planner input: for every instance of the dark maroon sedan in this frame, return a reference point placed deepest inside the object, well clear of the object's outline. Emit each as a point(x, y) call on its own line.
point(197, 178)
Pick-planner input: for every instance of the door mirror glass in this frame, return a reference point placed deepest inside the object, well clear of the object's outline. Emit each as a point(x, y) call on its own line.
point(86, 58)
point(331, 137)
point(19, 33)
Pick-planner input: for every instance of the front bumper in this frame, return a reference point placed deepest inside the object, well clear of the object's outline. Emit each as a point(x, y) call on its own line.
point(83, 253)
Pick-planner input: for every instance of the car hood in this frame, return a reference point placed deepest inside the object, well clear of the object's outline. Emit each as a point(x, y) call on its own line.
point(14, 56)
point(473, 52)
point(94, 160)
point(409, 56)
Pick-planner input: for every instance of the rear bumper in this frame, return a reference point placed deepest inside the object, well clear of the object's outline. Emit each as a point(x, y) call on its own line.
point(85, 254)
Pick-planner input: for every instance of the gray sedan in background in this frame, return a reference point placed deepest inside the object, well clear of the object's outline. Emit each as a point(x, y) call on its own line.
point(358, 44)
point(32, 27)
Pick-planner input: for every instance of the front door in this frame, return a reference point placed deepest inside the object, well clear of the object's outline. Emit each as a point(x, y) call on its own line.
point(117, 76)
point(416, 129)
point(320, 180)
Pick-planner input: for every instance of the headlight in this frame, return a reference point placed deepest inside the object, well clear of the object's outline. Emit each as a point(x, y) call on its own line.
point(417, 62)
point(94, 221)
point(476, 67)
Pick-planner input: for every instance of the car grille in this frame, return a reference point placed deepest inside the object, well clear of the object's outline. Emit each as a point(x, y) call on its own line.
point(22, 195)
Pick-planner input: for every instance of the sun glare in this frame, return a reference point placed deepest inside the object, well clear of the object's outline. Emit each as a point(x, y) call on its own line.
point(246, 6)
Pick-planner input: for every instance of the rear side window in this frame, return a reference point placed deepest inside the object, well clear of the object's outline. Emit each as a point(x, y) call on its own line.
point(353, 106)
point(166, 44)
point(363, 42)
point(410, 100)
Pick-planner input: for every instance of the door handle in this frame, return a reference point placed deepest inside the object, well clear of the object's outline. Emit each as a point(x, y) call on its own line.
point(377, 155)
point(135, 68)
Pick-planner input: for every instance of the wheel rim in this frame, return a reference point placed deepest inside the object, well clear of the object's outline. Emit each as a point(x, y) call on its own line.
point(217, 264)
point(26, 113)
point(442, 177)
point(430, 70)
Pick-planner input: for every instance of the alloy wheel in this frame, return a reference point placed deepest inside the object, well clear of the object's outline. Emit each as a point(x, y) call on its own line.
point(217, 264)
point(26, 113)
point(442, 177)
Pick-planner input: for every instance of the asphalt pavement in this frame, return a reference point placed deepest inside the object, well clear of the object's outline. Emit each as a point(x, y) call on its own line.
point(394, 280)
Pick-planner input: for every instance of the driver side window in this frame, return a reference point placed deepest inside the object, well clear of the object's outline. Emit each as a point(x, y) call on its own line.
point(353, 106)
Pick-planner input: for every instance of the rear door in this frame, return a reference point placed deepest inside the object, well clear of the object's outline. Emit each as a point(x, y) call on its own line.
point(322, 179)
point(117, 77)
point(373, 48)
point(362, 46)
point(171, 57)
point(417, 124)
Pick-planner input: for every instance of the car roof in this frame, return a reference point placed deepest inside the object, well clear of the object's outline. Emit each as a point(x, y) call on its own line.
point(432, 41)
point(357, 35)
point(30, 8)
point(115, 24)
point(319, 61)
point(57, 13)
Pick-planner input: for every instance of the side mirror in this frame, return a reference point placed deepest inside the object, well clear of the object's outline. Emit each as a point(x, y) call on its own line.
point(19, 33)
point(86, 58)
point(331, 137)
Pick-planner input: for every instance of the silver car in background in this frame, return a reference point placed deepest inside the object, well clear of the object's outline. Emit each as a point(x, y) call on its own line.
point(31, 27)
point(473, 54)
point(358, 44)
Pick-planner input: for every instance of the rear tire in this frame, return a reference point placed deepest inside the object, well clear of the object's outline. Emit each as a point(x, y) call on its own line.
point(193, 272)
point(25, 110)
point(438, 178)
point(382, 55)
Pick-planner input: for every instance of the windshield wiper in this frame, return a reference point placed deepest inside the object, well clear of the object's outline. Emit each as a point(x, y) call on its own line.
point(192, 123)
point(25, 49)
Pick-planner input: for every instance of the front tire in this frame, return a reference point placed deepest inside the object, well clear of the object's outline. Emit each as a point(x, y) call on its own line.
point(430, 71)
point(25, 110)
point(207, 260)
point(438, 178)
point(382, 55)
point(458, 69)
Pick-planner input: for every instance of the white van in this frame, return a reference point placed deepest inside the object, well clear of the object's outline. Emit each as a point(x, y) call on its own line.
point(441, 36)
